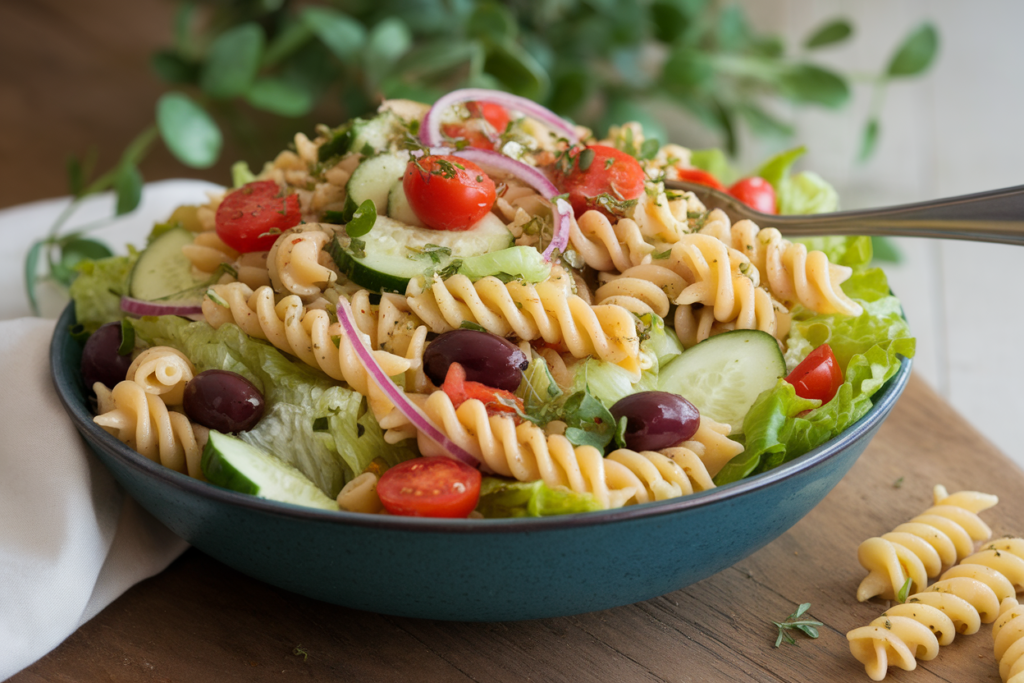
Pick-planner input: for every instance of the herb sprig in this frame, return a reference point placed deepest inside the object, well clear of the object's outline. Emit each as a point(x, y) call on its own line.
point(793, 622)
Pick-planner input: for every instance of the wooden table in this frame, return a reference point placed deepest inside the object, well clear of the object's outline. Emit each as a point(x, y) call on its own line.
point(201, 621)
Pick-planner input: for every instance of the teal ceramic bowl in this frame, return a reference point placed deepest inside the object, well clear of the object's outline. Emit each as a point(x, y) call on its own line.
point(476, 570)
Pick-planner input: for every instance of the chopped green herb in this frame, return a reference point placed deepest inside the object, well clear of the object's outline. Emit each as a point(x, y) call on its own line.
point(586, 158)
point(898, 483)
point(661, 254)
point(362, 220)
point(432, 251)
point(901, 595)
point(357, 247)
point(470, 325)
point(793, 621)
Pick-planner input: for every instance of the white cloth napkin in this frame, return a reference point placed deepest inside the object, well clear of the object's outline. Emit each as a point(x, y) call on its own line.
point(71, 541)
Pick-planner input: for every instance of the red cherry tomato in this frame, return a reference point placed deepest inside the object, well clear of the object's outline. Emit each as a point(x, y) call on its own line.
point(496, 401)
point(494, 114)
point(818, 376)
point(252, 217)
point(470, 133)
point(447, 192)
point(609, 176)
point(700, 177)
point(434, 486)
point(757, 193)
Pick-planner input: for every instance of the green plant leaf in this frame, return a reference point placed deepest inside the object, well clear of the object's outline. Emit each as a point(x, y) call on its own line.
point(807, 83)
point(31, 273)
point(732, 30)
point(571, 87)
point(869, 140)
point(687, 71)
point(362, 220)
point(916, 53)
point(671, 19)
point(290, 39)
point(517, 71)
point(388, 41)
point(128, 187)
point(885, 250)
point(233, 61)
point(343, 35)
point(830, 33)
point(281, 97)
point(171, 68)
point(763, 124)
point(492, 21)
point(184, 41)
point(188, 131)
point(437, 56)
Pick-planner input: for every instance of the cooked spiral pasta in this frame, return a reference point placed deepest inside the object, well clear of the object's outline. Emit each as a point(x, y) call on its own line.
point(162, 371)
point(308, 334)
point(966, 597)
point(142, 421)
point(296, 262)
point(641, 289)
point(606, 247)
point(360, 495)
point(661, 219)
point(526, 453)
point(547, 310)
point(206, 252)
point(938, 537)
point(788, 270)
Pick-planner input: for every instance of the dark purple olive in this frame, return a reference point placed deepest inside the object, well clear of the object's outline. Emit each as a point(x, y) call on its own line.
point(100, 359)
point(487, 358)
point(224, 401)
point(656, 420)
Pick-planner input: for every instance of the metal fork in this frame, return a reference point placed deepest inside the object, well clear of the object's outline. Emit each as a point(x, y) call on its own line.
point(993, 216)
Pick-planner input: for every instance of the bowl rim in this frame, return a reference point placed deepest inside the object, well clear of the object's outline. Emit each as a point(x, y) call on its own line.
point(63, 378)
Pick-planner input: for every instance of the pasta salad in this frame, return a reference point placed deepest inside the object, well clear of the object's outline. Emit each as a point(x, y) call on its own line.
point(477, 308)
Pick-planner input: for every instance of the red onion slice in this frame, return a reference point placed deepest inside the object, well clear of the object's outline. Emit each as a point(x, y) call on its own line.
point(140, 307)
point(430, 130)
point(535, 179)
point(402, 403)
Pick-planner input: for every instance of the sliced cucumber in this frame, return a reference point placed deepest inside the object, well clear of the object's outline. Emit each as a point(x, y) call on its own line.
point(399, 208)
point(516, 262)
point(374, 178)
point(387, 257)
point(163, 273)
point(723, 375)
point(377, 134)
point(236, 465)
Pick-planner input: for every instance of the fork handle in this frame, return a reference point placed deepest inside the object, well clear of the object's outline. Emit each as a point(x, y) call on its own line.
point(992, 216)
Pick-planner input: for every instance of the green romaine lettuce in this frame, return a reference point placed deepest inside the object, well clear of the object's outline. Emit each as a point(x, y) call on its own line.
point(506, 498)
point(98, 288)
point(298, 398)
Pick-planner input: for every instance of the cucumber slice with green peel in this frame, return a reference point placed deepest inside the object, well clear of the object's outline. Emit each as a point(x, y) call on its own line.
point(377, 134)
point(236, 465)
point(386, 258)
point(723, 376)
point(399, 207)
point(163, 273)
point(374, 178)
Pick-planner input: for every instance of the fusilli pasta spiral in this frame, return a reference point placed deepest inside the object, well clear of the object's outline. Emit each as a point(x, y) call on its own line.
point(938, 537)
point(526, 453)
point(360, 495)
point(966, 597)
point(606, 247)
point(1008, 637)
point(296, 262)
point(206, 252)
point(548, 310)
point(143, 422)
point(641, 289)
point(162, 371)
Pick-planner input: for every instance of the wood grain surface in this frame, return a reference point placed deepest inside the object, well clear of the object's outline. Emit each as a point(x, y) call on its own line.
point(201, 621)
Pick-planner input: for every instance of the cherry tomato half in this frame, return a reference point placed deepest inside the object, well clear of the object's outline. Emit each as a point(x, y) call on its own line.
point(700, 177)
point(496, 401)
point(482, 130)
point(434, 486)
point(818, 376)
point(756, 192)
point(604, 177)
point(252, 217)
point(470, 132)
point(448, 192)
point(494, 114)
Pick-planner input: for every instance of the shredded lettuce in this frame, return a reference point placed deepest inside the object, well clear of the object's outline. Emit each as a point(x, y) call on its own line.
point(506, 498)
point(867, 349)
point(98, 288)
point(513, 263)
point(297, 398)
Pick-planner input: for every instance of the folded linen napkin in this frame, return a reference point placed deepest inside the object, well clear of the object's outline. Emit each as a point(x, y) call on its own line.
point(71, 541)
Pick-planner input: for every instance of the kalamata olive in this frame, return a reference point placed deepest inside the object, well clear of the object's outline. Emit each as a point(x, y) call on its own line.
point(100, 359)
point(656, 420)
point(224, 401)
point(487, 358)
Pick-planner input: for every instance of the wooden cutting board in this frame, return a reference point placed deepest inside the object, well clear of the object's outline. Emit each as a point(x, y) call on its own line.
point(201, 621)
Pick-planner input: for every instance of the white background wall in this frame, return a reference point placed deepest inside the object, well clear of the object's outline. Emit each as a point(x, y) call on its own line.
point(955, 131)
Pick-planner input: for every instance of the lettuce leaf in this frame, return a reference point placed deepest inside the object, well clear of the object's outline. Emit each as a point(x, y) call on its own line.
point(98, 288)
point(867, 348)
point(298, 398)
point(801, 193)
point(507, 498)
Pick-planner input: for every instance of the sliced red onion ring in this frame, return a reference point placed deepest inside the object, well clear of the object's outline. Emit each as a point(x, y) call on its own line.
point(140, 307)
point(430, 130)
point(402, 403)
point(535, 179)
